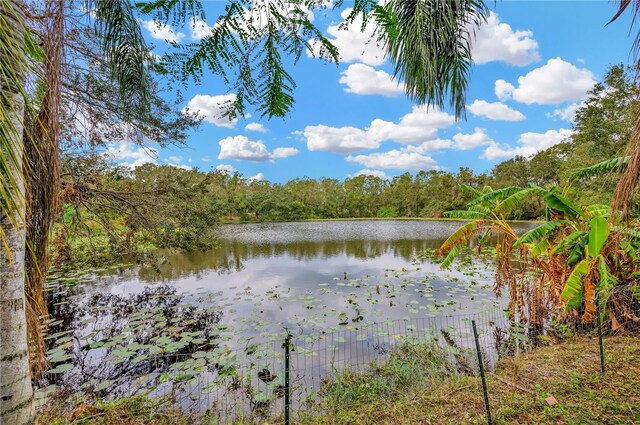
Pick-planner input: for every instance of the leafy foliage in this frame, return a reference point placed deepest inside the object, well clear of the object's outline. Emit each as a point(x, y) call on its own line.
point(429, 44)
point(245, 49)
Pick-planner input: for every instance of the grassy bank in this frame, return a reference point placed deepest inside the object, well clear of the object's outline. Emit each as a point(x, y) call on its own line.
point(519, 390)
point(559, 384)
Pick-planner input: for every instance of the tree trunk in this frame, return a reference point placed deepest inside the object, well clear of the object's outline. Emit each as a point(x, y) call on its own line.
point(16, 393)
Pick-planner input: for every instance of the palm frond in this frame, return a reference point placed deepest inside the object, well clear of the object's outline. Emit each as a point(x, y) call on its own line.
point(13, 98)
point(431, 49)
point(126, 52)
point(176, 12)
point(246, 48)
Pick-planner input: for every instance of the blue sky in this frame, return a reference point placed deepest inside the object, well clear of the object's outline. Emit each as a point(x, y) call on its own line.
point(534, 64)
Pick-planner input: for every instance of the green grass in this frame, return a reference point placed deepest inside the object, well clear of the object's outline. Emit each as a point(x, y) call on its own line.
point(568, 372)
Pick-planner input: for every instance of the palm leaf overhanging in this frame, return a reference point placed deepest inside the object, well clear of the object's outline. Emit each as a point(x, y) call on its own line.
point(13, 69)
point(430, 48)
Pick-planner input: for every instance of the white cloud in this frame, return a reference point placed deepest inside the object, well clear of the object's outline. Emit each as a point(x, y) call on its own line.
point(555, 82)
point(162, 31)
point(212, 108)
point(395, 159)
point(366, 172)
point(258, 177)
point(174, 159)
point(495, 111)
point(354, 45)
point(419, 126)
point(465, 142)
point(363, 79)
point(254, 126)
point(528, 144)
point(199, 29)
point(497, 41)
point(129, 155)
point(337, 139)
point(227, 168)
point(284, 152)
point(428, 146)
point(504, 90)
point(242, 149)
point(567, 113)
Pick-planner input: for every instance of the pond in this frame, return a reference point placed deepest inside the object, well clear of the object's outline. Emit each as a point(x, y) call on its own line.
point(265, 277)
point(309, 279)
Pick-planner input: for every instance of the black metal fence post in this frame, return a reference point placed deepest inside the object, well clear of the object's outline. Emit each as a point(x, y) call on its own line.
point(287, 380)
point(600, 334)
point(480, 363)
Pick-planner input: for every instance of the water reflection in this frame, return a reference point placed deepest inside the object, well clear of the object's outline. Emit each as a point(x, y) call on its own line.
point(233, 255)
point(315, 275)
point(307, 241)
point(330, 283)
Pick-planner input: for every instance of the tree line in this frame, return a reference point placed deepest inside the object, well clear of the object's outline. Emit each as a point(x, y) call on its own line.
point(113, 212)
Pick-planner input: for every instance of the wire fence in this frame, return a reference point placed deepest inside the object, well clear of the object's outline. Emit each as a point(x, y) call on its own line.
point(280, 380)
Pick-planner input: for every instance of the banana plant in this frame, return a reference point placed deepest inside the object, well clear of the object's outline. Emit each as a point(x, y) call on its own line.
point(583, 250)
point(487, 215)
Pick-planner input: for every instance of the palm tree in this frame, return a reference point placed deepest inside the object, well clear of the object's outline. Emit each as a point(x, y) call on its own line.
point(429, 44)
point(15, 380)
point(124, 47)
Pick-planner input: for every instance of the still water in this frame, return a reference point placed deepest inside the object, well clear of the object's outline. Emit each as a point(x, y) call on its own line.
point(207, 328)
point(313, 276)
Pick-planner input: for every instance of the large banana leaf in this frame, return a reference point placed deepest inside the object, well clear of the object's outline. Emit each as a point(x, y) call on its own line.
point(597, 235)
point(539, 232)
point(451, 256)
point(600, 169)
point(573, 291)
point(570, 241)
point(540, 248)
point(513, 200)
point(597, 210)
point(558, 203)
point(607, 280)
point(460, 237)
point(496, 195)
point(470, 190)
